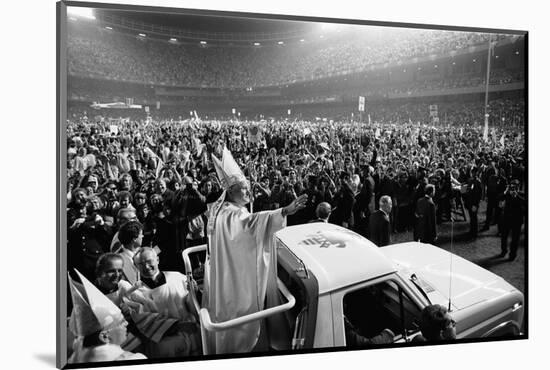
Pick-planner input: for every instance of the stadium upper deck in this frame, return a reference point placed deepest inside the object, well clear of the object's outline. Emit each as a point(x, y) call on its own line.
point(97, 52)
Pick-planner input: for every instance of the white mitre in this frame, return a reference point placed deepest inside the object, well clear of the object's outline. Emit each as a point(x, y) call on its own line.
point(228, 170)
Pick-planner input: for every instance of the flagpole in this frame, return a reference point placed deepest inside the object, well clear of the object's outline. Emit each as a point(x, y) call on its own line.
point(487, 77)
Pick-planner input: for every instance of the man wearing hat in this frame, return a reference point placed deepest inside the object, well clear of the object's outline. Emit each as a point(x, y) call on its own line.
point(241, 264)
point(97, 324)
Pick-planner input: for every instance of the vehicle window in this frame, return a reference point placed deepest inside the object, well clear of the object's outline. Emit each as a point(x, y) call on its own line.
point(300, 320)
point(372, 314)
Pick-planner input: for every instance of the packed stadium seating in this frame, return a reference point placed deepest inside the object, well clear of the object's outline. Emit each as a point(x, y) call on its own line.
point(111, 55)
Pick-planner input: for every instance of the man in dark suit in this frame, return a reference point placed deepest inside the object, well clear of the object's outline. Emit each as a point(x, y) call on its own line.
point(322, 211)
point(364, 202)
point(425, 229)
point(343, 202)
point(379, 223)
point(473, 197)
point(512, 219)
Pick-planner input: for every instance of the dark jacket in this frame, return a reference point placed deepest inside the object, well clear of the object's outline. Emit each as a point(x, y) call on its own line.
point(425, 228)
point(343, 206)
point(473, 196)
point(379, 228)
point(514, 209)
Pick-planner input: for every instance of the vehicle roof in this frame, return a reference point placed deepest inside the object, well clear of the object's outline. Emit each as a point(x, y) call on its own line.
point(337, 257)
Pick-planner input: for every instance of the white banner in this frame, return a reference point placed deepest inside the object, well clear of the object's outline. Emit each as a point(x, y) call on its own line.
point(361, 104)
point(433, 110)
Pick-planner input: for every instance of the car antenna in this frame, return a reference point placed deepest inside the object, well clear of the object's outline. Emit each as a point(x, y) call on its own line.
point(451, 262)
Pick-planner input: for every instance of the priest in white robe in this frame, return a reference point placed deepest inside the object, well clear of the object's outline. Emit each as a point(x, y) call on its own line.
point(241, 263)
point(162, 309)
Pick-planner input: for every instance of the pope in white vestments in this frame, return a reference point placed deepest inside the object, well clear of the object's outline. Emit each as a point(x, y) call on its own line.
point(241, 264)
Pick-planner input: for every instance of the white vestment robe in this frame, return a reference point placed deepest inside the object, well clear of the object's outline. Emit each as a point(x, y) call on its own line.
point(167, 300)
point(240, 273)
point(105, 352)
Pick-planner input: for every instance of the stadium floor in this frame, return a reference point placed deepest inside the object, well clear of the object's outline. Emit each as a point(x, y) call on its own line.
point(482, 250)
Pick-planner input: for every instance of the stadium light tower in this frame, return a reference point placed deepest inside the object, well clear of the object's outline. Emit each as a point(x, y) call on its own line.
point(81, 12)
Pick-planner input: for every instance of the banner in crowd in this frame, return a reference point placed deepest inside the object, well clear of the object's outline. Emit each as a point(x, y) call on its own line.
point(254, 134)
point(361, 104)
point(433, 110)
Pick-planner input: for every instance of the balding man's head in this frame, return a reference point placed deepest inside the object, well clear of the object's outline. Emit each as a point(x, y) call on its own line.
point(385, 203)
point(323, 210)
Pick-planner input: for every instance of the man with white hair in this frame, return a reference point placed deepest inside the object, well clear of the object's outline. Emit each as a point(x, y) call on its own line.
point(241, 263)
point(171, 324)
point(379, 223)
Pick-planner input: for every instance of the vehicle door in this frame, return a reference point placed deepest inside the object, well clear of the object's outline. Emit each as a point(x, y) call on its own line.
point(380, 311)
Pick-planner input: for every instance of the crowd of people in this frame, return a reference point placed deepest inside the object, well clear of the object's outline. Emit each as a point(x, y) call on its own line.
point(497, 77)
point(161, 173)
point(145, 185)
point(115, 56)
point(139, 194)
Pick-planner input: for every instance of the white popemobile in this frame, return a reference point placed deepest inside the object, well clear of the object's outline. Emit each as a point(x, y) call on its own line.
point(327, 272)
